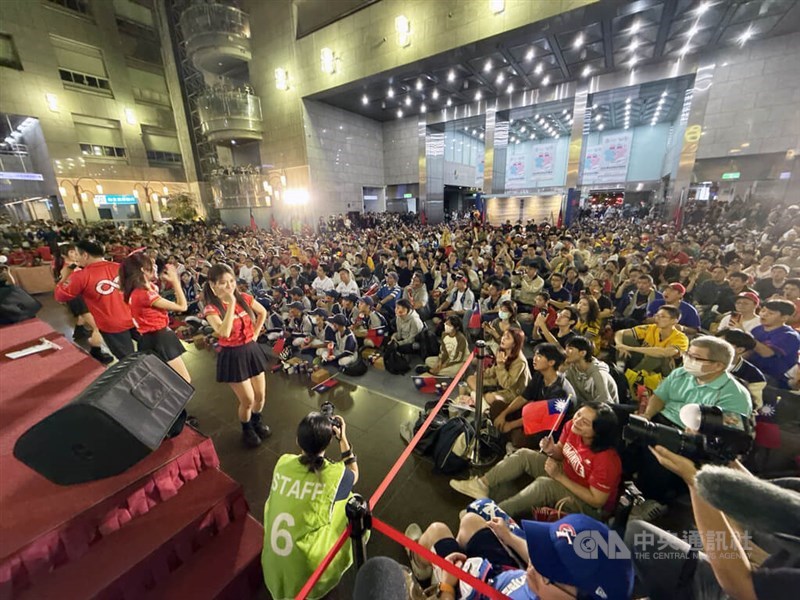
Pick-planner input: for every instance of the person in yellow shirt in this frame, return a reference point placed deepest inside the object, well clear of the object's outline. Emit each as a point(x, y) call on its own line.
point(658, 343)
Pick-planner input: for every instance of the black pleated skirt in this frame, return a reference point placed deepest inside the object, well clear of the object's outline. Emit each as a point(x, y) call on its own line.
point(239, 363)
point(163, 343)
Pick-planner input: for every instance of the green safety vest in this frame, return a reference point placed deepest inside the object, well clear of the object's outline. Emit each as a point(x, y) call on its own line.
point(301, 524)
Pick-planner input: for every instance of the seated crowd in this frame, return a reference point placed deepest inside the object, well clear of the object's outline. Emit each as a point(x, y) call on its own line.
point(607, 318)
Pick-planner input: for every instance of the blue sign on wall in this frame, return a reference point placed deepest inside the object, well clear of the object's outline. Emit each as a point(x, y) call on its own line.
point(116, 199)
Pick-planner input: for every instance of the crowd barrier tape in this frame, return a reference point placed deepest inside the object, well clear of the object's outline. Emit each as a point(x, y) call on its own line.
point(480, 586)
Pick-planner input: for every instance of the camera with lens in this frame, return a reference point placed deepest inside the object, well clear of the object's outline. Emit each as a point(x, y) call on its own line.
point(721, 436)
point(327, 410)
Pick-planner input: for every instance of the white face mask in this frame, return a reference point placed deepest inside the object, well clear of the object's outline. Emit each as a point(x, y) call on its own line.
point(692, 366)
point(504, 315)
point(448, 329)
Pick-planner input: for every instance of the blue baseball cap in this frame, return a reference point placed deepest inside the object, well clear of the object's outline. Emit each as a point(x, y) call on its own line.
point(567, 552)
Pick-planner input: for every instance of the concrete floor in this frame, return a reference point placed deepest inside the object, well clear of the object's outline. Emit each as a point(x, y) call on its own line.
point(373, 423)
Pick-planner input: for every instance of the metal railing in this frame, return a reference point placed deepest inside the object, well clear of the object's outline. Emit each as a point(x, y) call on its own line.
point(200, 19)
point(226, 109)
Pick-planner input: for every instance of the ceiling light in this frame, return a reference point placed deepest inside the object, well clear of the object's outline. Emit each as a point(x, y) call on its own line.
point(635, 27)
point(627, 126)
point(399, 113)
point(52, 102)
point(497, 6)
point(578, 41)
point(510, 88)
point(403, 28)
point(500, 78)
point(557, 136)
point(281, 79)
point(481, 136)
point(423, 108)
point(546, 80)
point(704, 6)
point(487, 67)
point(474, 131)
point(364, 99)
point(746, 36)
point(539, 68)
point(449, 102)
point(586, 71)
point(451, 76)
point(685, 50)
point(693, 31)
point(435, 94)
point(517, 142)
point(327, 61)
point(408, 100)
point(532, 137)
point(634, 45)
point(601, 127)
point(628, 100)
point(594, 106)
point(390, 93)
point(419, 84)
point(529, 55)
point(664, 94)
point(541, 121)
point(634, 59)
point(536, 116)
point(523, 129)
point(478, 95)
point(598, 117)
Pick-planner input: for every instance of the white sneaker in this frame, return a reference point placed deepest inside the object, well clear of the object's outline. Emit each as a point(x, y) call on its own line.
point(414, 532)
point(649, 511)
point(473, 487)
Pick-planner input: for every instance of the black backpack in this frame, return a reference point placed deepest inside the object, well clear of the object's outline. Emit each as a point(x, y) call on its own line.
point(428, 343)
point(452, 445)
point(394, 361)
point(428, 439)
point(623, 386)
point(356, 369)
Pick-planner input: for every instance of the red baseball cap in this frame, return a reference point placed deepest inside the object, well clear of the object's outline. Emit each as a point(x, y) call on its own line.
point(750, 296)
point(677, 287)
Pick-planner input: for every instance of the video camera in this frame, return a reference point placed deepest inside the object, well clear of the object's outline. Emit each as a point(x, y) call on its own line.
point(721, 436)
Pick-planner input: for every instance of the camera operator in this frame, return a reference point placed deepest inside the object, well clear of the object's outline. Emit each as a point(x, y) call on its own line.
point(723, 569)
point(305, 511)
point(703, 379)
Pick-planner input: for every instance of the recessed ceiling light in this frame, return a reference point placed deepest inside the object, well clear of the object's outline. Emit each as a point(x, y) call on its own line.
point(435, 94)
point(419, 84)
point(523, 129)
point(399, 113)
point(578, 41)
point(510, 88)
point(746, 36)
point(474, 131)
point(529, 55)
point(634, 59)
point(487, 67)
point(626, 126)
point(536, 116)
point(546, 80)
point(364, 99)
point(628, 100)
point(601, 127)
point(539, 68)
point(532, 137)
point(693, 31)
point(500, 78)
point(423, 108)
point(390, 93)
point(586, 71)
point(478, 95)
point(598, 117)
point(664, 94)
point(635, 27)
point(634, 45)
point(481, 135)
point(685, 50)
point(451, 76)
point(449, 102)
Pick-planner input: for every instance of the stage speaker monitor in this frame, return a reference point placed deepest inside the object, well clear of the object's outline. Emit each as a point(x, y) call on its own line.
point(16, 304)
point(114, 423)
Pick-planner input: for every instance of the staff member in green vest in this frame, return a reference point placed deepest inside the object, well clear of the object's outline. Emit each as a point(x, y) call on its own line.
point(304, 514)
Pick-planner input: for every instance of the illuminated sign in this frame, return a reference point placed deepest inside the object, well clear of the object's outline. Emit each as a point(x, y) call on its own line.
point(116, 199)
point(408, 195)
point(731, 175)
point(21, 176)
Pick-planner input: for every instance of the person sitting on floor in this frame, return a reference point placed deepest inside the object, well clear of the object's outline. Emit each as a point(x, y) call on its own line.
point(659, 343)
point(345, 348)
point(417, 294)
point(566, 319)
point(299, 325)
point(777, 344)
point(454, 350)
point(745, 371)
point(589, 377)
point(583, 466)
point(322, 333)
point(458, 302)
point(506, 319)
point(546, 383)
point(370, 326)
point(408, 325)
point(510, 373)
point(673, 296)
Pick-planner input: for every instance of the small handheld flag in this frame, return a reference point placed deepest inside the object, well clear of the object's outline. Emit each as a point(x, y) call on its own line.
point(324, 386)
point(543, 414)
point(430, 384)
point(475, 317)
point(277, 348)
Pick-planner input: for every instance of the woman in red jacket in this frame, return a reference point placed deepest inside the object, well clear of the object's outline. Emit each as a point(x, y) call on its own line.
point(237, 319)
point(150, 310)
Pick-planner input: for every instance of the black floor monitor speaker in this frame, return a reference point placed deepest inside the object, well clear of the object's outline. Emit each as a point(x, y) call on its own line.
point(16, 305)
point(113, 424)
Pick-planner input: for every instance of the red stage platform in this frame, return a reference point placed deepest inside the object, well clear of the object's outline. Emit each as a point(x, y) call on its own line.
point(168, 522)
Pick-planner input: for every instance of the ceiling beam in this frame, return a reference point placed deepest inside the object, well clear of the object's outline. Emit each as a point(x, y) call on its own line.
point(515, 65)
point(479, 76)
point(723, 23)
point(608, 43)
point(556, 49)
point(667, 16)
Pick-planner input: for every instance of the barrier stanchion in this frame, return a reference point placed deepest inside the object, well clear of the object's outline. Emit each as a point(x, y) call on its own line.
point(381, 489)
point(360, 518)
point(475, 455)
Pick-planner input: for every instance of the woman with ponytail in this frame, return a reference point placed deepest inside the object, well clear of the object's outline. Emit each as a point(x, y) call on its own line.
point(150, 310)
point(237, 321)
point(305, 511)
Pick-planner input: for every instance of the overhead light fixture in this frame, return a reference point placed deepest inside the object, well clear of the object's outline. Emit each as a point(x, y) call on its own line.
point(546, 80)
point(539, 68)
point(532, 136)
point(390, 93)
point(704, 6)
point(474, 131)
point(578, 41)
point(281, 79)
point(635, 27)
point(628, 100)
point(500, 78)
point(423, 108)
point(598, 118)
point(130, 116)
point(399, 113)
point(403, 28)
point(481, 136)
point(693, 31)
point(327, 61)
point(685, 50)
point(52, 102)
point(634, 45)
point(601, 127)
point(510, 88)
point(419, 84)
point(632, 62)
point(99, 188)
point(364, 99)
point(451, 75)
point(449, 102)
point(497, 6)
point(408, 100)
point(746, 36)
point(435, 94)
point(586, 71)
point(487, 66)
point(529, 56)
point(478, 95)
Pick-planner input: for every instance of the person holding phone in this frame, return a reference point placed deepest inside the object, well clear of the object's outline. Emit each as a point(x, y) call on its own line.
point(744, 317)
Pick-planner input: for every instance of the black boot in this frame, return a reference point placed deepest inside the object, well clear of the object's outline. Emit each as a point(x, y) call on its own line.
point(258, 426)
point(98, 354)
point(81, 333)
point(249, 436)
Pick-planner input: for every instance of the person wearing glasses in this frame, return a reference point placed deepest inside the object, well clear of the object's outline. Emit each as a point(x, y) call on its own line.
point(703, 379)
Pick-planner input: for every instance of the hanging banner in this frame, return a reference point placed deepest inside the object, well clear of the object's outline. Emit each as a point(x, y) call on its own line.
point(515, 172)
point(607, 162)
point(543, 158)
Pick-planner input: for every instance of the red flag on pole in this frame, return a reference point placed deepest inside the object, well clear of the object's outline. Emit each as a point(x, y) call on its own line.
point(253, 225)
point(560, 218)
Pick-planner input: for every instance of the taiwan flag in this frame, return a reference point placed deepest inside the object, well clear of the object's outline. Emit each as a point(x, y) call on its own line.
point(768, 432)
point(543, 414)
point(376, 336)
point(475, 317)
point(432, 385)
point(323, 387)
point(253, 225)
point(279, 346)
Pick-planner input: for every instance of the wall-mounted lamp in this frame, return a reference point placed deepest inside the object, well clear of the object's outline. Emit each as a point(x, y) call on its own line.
point(130, 116)
point(497, 6)
point(52, 102)
point(403, 28)
point(296, 196)
point(281, 79)
point(327, 61)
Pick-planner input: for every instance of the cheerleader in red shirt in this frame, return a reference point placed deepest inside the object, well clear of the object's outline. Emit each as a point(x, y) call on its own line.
point(237, 319)
point(149, 310)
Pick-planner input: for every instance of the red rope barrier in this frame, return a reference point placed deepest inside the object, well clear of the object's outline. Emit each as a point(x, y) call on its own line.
point(480, 586)
point(413, 443)
point(312, 581)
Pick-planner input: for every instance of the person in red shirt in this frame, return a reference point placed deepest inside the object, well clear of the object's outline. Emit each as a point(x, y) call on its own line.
point(98, 283)
point(19, 258)
point(241, 363)
point(583, 466)
point(150, 311)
